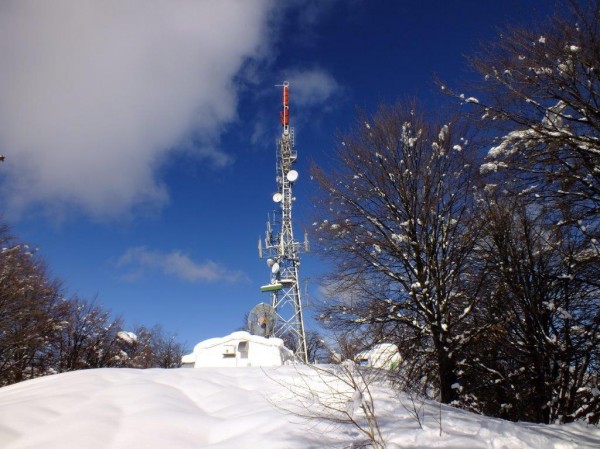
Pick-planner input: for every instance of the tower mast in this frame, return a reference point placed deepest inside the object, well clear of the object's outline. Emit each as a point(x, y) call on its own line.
point(281, 250)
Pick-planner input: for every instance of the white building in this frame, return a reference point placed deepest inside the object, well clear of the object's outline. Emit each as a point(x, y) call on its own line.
point(382, 355)
point(238, 349)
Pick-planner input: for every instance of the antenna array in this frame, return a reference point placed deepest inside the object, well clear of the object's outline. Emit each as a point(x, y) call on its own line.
point(280, 248)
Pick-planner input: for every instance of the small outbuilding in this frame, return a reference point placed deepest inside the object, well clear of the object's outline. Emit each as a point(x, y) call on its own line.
point(382, 355)
point(237, 350)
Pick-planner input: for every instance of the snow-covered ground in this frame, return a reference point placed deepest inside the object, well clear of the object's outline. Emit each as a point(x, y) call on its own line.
point(234, 408)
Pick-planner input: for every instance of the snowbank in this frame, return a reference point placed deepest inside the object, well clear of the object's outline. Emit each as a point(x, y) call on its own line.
point(224, 408)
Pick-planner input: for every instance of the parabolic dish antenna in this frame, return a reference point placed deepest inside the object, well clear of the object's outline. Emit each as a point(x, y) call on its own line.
point(275, 268)
point(292, 175)
point(261, 320)
point(277, 197)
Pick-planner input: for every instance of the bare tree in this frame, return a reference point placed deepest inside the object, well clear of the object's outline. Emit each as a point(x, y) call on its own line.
point(540, 98)
point(88, 338)
point(153, 348)
point(167, 350)
point(397, 224)
point(42, 332)
point(30, 312)
point(316, 348)
point(540, 359)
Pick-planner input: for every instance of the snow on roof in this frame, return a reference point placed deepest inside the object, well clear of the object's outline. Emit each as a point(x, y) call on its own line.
point(127, 337)
point(239, 349)
point(239, 336)
point(381, 355)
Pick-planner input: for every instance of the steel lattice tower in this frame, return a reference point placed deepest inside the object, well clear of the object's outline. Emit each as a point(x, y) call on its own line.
point(281, 250)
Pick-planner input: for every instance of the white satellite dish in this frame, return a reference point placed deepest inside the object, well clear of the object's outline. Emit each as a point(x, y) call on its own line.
point(292, 175)
point(277, 197)
point(261, 320)
point(275, 268)
point(270, 262)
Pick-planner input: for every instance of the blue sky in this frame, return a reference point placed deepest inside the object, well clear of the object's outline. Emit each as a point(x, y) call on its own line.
point(140, 136)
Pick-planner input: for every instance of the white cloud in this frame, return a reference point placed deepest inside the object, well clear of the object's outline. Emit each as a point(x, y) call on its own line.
point(312, 87)
point(94, 94)
point(313, 92)
point(140, 260)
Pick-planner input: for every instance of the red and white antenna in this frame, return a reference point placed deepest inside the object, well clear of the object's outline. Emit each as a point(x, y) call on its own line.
point(284, 115)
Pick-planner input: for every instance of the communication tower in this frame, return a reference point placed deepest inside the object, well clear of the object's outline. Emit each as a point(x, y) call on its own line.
point(280, 248)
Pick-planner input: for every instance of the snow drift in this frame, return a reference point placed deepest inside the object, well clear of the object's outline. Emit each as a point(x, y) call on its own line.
point(220, 408)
